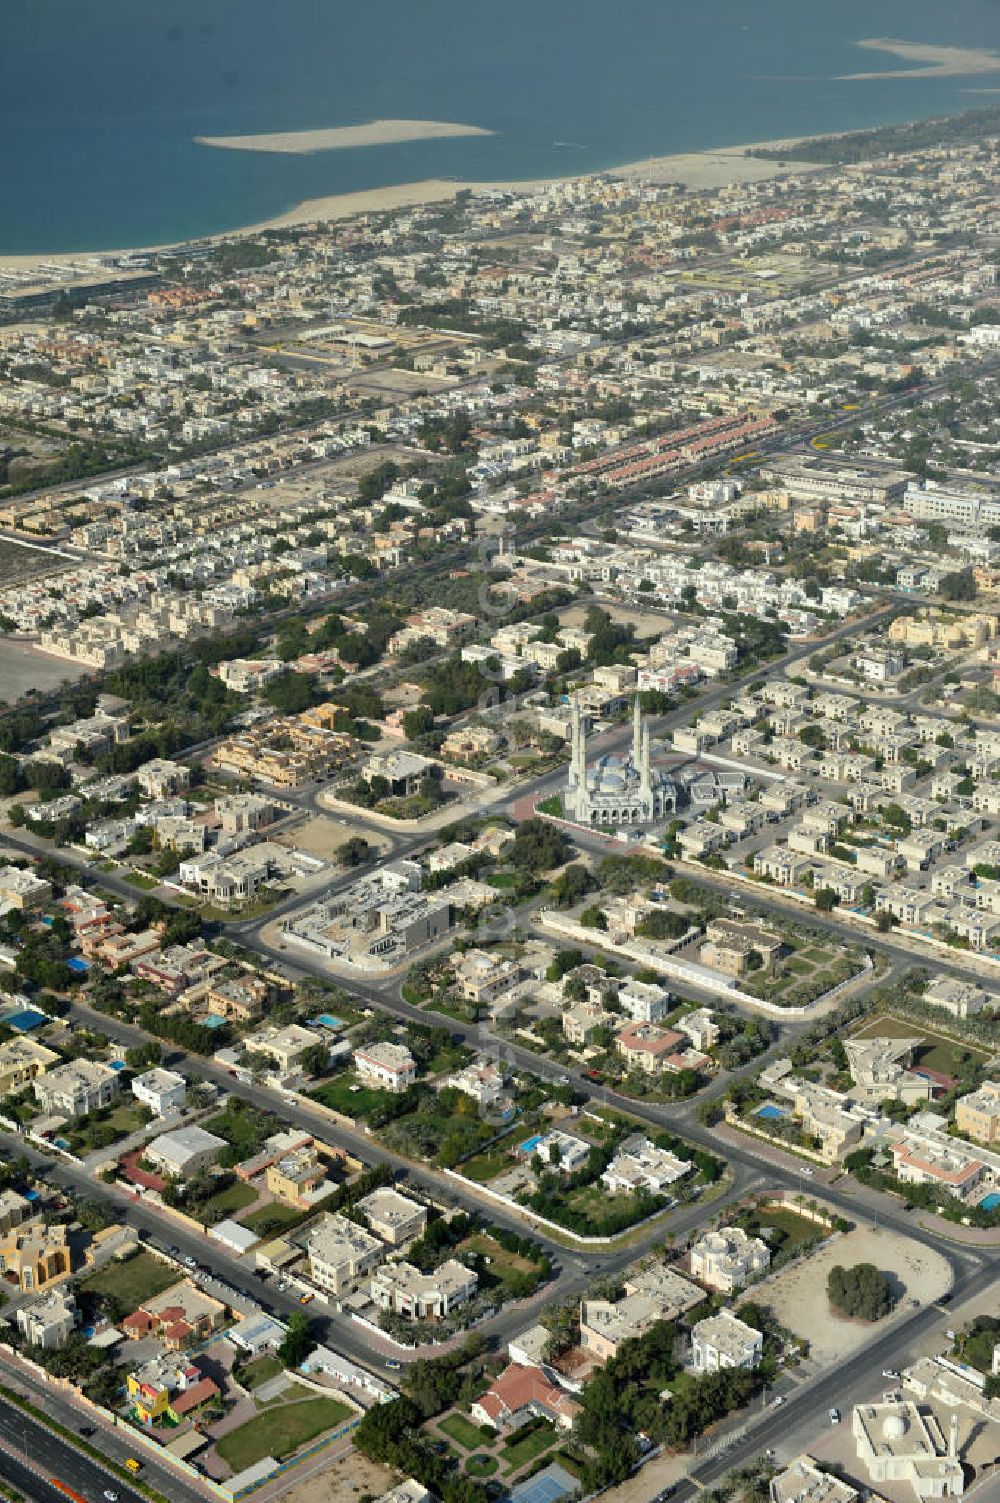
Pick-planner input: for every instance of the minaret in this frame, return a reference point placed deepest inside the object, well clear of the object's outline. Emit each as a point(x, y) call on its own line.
point(574, 744)
point(645, 772)
point(636, 734)
point(581, 766)
point(578, 748)
point(953, 1436)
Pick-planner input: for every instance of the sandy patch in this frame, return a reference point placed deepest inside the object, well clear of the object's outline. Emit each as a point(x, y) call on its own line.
point(350, 1476)
point(344, 137)
point(797, 1294)
point(323, 837)
point(935, 62)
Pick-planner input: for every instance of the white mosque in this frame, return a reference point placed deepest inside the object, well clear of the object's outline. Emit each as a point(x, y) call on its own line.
point(618, 791)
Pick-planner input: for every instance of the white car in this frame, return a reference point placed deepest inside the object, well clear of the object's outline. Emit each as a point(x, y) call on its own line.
point(777, 1403)
point(111, 1497)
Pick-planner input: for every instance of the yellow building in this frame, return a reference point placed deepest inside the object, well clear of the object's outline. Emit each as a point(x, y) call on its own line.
point(150, 1400)
point(21, 1062)
point(978, 1114)
point(38, 1256)
point(22, 890)
point(299, 1179)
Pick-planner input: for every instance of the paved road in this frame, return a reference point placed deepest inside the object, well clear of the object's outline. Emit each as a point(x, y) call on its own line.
point(31, 1454)
point(841, 1386)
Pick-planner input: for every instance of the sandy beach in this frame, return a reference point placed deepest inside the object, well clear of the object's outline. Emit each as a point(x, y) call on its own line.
point(695, 169)
point(934, 62)
point(344, 137)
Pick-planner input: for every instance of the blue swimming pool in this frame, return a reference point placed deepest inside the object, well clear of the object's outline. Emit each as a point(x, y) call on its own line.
point(990, 1202)
point(770, 1111)
point(530, 1144)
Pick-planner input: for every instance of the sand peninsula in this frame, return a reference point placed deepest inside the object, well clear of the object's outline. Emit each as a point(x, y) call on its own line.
point(935, 62)
point(344, 137)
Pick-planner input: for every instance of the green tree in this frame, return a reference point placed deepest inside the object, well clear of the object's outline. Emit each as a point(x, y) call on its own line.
point(860, 1292)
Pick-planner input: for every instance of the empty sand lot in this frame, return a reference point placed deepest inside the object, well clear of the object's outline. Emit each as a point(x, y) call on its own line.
point(797, 1294)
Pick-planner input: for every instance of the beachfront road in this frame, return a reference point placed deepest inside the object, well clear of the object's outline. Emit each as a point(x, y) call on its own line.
point(31, 1456)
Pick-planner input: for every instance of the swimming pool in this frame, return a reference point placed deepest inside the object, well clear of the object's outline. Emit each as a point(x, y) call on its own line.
point(770, 1111)
point(990, 1202)
point(530, 1144)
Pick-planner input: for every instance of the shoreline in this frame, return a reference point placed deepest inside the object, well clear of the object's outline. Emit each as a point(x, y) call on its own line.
point(698, 170)
point(343, 137)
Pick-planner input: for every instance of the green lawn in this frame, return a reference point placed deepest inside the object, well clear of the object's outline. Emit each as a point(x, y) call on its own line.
point(261, 1370)
point(280, 1432)
point(936, 1051)
point(502, 1263)
point(481, 1465)
point(518, 1452)
point(95, 1131)
point(337, 1094)
point(243, 1127)
point(462, 1430)
point(235, 1197)
point(133, 1281)
point(276, 1217)
point(796, 1228)
point(485, 1166)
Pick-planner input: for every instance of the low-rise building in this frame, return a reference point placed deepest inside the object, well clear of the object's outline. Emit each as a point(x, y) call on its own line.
point(723, 1340)
point(298, 1178)
point(978, 1114)
point(481, 1080)
point(655, 1293)
point(521, 1394)
point(640, 1165)
point(896, 1442)
point(35, 1256)
point(728, 1258)
point(22, 1061)
point(339, 1253)
point(389, 1066)
point(394, 1217)
point(802, 1481)
point(49, 1321)
point(163, 1091)
point(182, 1153)
point(285, 1046)
point(22, 892)
point(78, 1087)
point(181, 1316)
point(405, 1290)
point(647, 1047)
point(483, 977)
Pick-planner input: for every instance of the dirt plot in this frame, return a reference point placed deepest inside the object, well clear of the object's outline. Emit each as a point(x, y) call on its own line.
point(646, 623)
point(797, 1294)
point(350, 1476)
point(323, 837)
point(22, 668)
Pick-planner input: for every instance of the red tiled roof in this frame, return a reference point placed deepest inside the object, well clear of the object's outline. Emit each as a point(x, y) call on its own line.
point(192, 1398)
point(518, 1387)
point(649, 1038)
